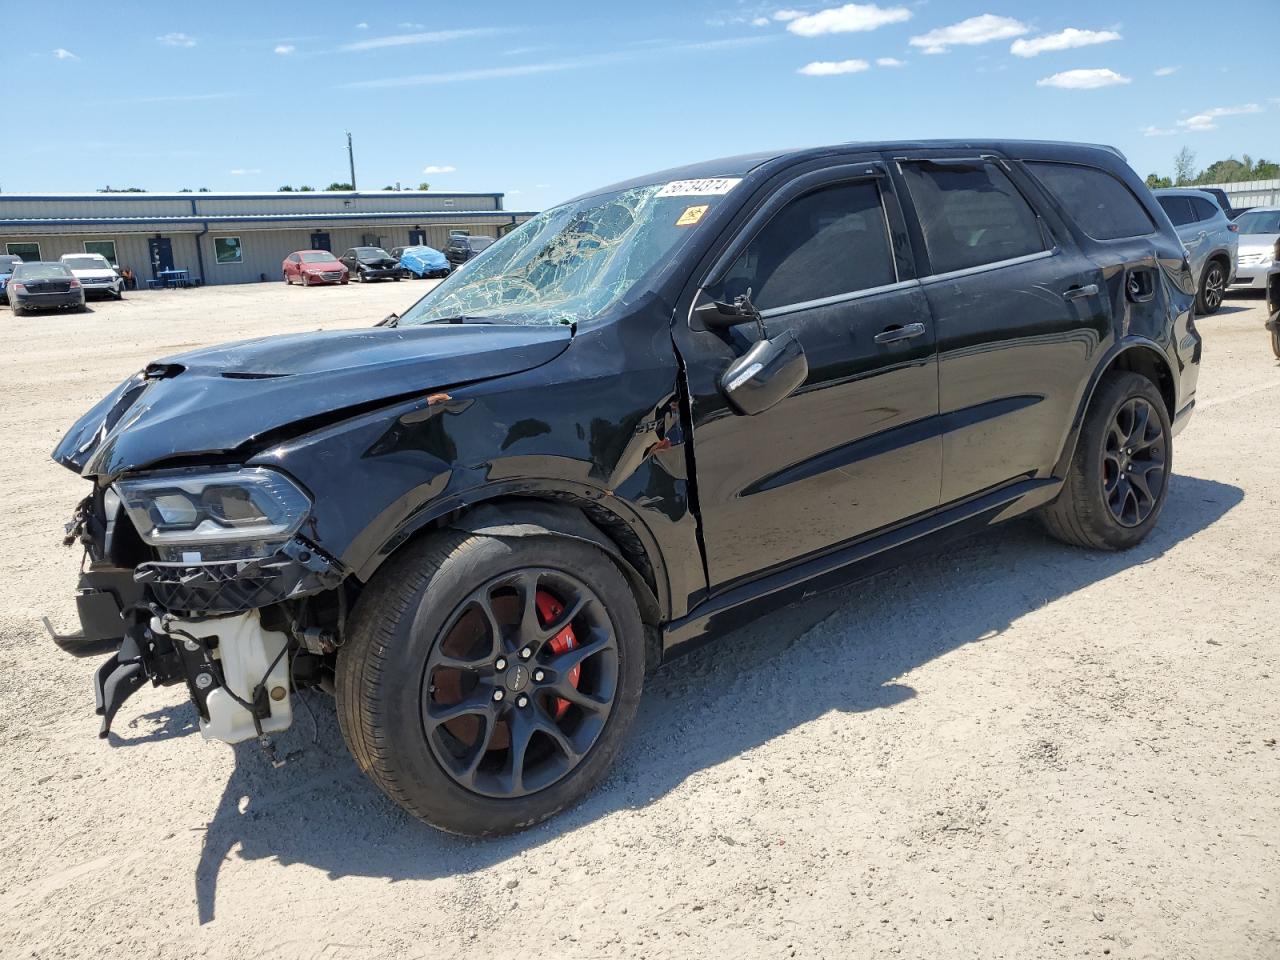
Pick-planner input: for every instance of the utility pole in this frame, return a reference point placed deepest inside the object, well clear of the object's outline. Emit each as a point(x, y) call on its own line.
point(351, 159)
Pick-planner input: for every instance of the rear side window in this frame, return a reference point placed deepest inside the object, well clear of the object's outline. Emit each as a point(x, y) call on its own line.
point(829, 242)
point(1178, 209)
point(1099, 203)
point(971, 215)
point(1204, 209)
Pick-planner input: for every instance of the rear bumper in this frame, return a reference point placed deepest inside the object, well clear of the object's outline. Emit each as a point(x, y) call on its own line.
point(48, 301)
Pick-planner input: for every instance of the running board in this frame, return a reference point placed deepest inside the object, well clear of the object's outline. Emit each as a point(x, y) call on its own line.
point(740, 604)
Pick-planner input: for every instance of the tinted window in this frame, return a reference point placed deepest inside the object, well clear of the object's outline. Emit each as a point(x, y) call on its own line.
point(971, 215)
point(825, 243)
point(1204, 209)
point(1100, 204)
point(39, 271)
point(1178, 209)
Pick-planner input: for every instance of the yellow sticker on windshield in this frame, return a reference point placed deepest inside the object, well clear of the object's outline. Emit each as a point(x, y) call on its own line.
point(692, 215)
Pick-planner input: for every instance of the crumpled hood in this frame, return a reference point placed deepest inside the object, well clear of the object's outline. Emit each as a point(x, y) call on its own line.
point(218, 400)
point(379, 261)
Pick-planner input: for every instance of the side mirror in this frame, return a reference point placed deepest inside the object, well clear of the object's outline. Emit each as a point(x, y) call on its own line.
point(718, 315)
point(769, 372)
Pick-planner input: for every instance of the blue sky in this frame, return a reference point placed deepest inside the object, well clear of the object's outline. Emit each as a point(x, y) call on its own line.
point(546, 100)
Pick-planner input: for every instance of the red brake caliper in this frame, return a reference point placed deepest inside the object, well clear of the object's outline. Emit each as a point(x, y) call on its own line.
point(549, 608)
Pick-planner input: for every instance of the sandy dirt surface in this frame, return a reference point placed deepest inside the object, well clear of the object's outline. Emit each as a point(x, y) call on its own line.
point(1014, 749)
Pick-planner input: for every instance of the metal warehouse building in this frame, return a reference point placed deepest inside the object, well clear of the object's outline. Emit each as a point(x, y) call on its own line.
point(237, 237)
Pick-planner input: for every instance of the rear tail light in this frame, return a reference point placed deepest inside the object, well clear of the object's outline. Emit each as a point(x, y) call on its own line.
point(1233, 227)
point(20, 287)
point(74, 283)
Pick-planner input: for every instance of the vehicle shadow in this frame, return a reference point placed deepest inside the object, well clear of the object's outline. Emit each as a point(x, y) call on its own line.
point(321, 811)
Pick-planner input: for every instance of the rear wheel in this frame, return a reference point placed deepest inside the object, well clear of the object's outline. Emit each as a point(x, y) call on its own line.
point(1213, 285)
point(486, 683)
point(1118, 480)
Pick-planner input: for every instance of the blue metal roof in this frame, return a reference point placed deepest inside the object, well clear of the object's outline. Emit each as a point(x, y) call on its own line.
point(503, 216)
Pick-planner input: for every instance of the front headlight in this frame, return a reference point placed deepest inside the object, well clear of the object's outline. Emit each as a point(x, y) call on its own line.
point(216, 515)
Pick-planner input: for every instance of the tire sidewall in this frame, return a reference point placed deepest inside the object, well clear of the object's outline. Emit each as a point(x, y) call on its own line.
point(397, 686)
point(1115, 394)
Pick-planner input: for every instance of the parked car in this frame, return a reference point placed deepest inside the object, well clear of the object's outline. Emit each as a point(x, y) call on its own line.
point(421, 261)
point(96, 274)
point(370, 263)
point(313, 268)
point(1221, 199)
point(460, 248)
point(7, 263)
point(647, 415)
point(1210, 237)
point(44, 285)
point(1259, 247)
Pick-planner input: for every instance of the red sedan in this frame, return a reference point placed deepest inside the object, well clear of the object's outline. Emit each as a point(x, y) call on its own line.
point(309, 267)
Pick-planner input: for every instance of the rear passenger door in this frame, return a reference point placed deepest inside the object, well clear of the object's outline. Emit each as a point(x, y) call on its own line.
point(1019, 317)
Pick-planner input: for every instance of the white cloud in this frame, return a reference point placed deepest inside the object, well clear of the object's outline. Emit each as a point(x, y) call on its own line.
point(1204, 121)
point(1064, 40)
point(284, 49)
point(244, 171)
point(1167, 71)
point(850, 18)
point(833, 68)
point(760, 22)
point(1158, 132)
point(362, 26)
point(782, 16)
point(1083, 79)
point(407, 39)
point(890, 62)
point(62, 54)
point(177, 40)
point(967, 33)
point(432, 168)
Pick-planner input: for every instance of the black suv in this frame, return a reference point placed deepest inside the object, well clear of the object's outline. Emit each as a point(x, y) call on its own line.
point(644, 416)
point(371, 263)
point(461, 248)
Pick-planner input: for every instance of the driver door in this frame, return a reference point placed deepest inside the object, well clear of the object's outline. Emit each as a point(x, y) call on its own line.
point(856, 447)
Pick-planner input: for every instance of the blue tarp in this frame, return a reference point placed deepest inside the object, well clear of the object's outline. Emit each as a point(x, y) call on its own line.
point(424, 261)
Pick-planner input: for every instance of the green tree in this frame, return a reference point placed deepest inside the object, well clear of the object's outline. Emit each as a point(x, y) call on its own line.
point(306, 189)
point(285, 189)
point(424, 186)
point(1155, 181)
point(339, 186)
point(1184, 166)
point(204, 190)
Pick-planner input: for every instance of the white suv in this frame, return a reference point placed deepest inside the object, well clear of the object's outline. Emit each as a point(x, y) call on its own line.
point(95, 273)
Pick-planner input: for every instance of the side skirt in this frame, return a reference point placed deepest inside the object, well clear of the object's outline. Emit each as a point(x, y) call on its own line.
point(741, 604)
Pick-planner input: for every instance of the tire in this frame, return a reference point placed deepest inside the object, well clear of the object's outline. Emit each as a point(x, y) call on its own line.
point(386, 686)
point(1085, 511)
point(1213, 285)
point(287, 281)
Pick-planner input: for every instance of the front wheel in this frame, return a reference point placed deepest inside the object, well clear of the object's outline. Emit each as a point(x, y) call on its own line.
point(487, 684)
point(1118, 480)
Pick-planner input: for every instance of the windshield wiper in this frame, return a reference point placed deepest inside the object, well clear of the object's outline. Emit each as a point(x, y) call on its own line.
point(462, 318)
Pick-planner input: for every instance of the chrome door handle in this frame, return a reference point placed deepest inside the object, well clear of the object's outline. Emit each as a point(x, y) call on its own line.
point(1075, 293)
point(894, 334)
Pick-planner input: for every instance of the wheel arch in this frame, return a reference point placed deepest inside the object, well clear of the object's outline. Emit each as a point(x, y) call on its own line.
point(578, 514)
point(1142, 357)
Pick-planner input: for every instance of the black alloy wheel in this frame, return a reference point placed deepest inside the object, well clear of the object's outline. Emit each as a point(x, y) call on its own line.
point(521, 683)
point(1133, 462)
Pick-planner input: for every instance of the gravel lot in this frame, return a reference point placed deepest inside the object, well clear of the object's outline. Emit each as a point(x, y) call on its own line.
point(1015, 749)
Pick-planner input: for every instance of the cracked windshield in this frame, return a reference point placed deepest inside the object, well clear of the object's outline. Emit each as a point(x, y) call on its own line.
point(572, 262)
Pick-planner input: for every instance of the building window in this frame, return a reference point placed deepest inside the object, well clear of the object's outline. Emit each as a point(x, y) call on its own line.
point(29, 252)
point(106, 248)
point(227, 250)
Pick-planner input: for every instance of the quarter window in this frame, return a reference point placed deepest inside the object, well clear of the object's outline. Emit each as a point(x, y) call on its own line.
point(29, 252)
point(1178, 208)
point(1204, 209)
point(971, 215)
point(1100, 204)
point(829, 242)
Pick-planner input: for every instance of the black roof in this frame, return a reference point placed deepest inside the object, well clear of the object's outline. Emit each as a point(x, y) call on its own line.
point(743, 164)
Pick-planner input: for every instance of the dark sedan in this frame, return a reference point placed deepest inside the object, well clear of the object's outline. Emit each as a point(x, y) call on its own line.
point(44, 286)
point(370, 263)
point(7, 263)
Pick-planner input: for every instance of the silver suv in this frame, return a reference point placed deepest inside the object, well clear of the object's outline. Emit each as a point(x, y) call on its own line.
point(1211, 239)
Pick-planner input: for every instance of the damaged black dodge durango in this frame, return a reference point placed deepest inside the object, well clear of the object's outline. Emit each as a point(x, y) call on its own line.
point(637, 420)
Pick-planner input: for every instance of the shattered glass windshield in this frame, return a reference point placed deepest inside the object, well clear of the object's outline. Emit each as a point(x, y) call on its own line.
point(570, 263)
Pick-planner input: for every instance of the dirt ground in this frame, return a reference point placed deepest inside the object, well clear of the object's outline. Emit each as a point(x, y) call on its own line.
point(1015, 749)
